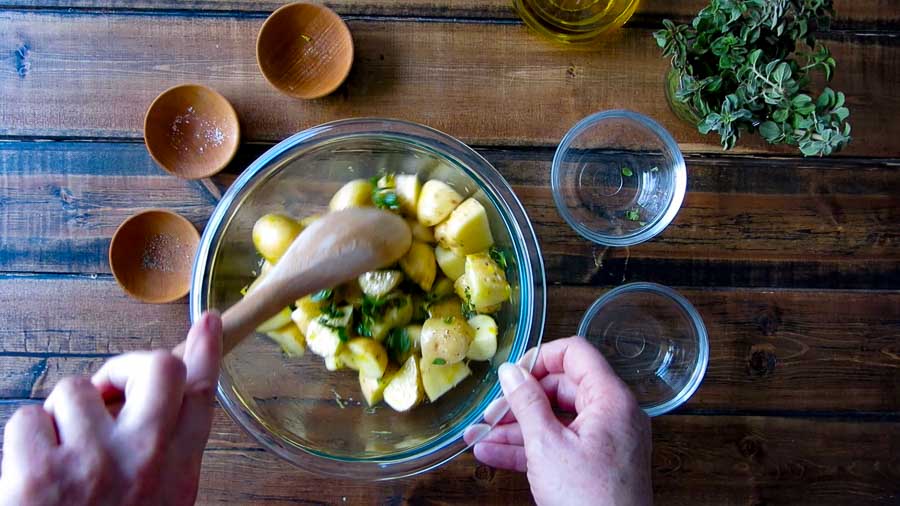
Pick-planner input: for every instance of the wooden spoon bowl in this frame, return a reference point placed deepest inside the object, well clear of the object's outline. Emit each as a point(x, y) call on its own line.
point(191, 131)
point(151, 255)
point(304, 50)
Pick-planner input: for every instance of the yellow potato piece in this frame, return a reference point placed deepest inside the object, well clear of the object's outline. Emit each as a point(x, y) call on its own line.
point(421, 232)
point(273, 235)
point(399, 314)
point(322, 340)
point(368, 356)
point(373, 388)
point(407, 187)
point(452, 264)
point(439, 379)
point(307, 311)
point(467, 230)
point(276, 322)
point(356, 193)
point(379, 283)
point(436, 201)
point(448, 306)
point(404, 391)
point(485, 282)
point(446, 339)
point(484, 344)
point(441, 288)
point(419, 264)
point(292, 342)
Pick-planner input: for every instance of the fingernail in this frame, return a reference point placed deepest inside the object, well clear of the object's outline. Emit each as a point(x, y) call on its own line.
point(528, 358)
point(495, 410)
point(474, 433)
point(511, 376)
point(212, 323)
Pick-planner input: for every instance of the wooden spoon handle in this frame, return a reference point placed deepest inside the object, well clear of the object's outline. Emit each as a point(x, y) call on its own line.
point(242, 319)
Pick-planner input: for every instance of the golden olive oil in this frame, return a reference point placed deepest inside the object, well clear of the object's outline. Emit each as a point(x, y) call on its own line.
point(574, 21)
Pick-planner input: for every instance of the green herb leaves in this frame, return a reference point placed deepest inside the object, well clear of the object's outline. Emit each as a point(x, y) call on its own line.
point(322, 295)
point(737, 68)
point(499, 257)
point(627, 172)
point(383, 192)
point(632, 215)
point(398, 344)
point(439, 361)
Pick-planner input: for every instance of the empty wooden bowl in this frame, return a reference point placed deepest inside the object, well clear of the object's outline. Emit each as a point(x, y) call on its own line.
point(191, 131)
point(304, 50)
point(151, 255)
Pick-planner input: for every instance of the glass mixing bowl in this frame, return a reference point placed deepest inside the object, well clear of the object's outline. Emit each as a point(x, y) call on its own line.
point(318, 419)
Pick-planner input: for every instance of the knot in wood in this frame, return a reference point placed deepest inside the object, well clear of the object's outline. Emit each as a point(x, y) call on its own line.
point(769, 320)
point(761, 361)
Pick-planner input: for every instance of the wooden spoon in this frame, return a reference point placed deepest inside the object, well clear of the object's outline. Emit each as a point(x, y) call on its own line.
point(335, 248)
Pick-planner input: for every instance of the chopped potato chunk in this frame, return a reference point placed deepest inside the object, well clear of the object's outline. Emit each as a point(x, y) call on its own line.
point(356, 193)
point(467, 230)
point(436, 201)
point(404, 391)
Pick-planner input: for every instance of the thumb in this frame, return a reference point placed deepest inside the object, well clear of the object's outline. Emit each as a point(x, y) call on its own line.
point(528, 402)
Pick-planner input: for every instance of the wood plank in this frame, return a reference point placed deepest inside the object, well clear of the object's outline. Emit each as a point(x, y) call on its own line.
point(785, 350)
point(696, 460)
point(521, 92)
point(746, 221)
point(855, 14)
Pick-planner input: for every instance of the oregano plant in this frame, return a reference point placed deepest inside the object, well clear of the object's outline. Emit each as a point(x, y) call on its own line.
point(745, 66)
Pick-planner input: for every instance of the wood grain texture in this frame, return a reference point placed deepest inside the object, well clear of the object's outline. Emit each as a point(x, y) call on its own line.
point(743, 460)
point(522, 91)
point(783, 350)
point(852, 14)
point(746, 221)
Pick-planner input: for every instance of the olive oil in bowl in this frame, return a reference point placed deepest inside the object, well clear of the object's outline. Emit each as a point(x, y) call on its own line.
point(581, 22)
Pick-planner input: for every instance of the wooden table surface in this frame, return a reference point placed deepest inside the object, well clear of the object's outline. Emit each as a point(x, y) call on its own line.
point(793, 263)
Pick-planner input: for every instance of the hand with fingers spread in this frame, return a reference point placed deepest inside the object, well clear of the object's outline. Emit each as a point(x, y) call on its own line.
point(132, 434)
point(597, 452)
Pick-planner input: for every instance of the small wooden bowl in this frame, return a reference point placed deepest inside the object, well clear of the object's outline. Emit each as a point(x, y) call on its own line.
point(304, 50)
point(151, 255)
point(191, 131)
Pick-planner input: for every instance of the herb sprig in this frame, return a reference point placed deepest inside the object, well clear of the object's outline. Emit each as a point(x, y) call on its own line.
point(738, 68)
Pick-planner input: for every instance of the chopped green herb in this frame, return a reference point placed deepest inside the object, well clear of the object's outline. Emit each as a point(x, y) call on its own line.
point(439, 361)
point(385, 199)
point(654, 169)
point(448, 319)
point(322, 295)
point(244, 290)
point(338, 399)
point(342, 334)
point(642, 223)
point(498, 256)
point(632, 215)
point(332, 312)
point(373, 309)
point(305, 37)
point(468, 309)
point(627, 172)
point(398, 343)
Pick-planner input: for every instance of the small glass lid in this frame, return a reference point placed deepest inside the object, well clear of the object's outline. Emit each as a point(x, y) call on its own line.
point(655, 341)
point(618, 178)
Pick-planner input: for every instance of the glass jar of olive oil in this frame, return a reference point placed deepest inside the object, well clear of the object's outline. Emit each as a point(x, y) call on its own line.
point(581, 22)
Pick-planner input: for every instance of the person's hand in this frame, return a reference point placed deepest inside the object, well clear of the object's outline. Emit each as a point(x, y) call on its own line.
point(601, 457)
point(75, 450)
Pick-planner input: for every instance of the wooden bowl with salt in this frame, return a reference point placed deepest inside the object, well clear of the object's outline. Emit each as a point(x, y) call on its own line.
point(304, 50)
point(191, 131)
point(151, 255)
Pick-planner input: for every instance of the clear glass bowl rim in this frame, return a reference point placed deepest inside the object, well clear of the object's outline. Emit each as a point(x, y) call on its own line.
point(528, 256)
point(693, 316)
point(652, 229)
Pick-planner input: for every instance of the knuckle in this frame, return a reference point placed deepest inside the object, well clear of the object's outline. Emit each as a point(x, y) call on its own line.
point(26, 415)
point(164, 363)
point(73, 385)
